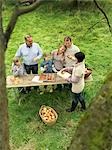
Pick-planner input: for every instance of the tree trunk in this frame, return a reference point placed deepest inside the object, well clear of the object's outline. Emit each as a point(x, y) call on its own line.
point(95, 129)
point(4, 39)
point(4, 133)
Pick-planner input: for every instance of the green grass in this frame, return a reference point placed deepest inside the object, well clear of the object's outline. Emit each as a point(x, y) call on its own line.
point(48, 27)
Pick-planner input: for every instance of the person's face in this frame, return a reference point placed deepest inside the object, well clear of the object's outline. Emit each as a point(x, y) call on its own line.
point(29, 41)
point(47, 57)
point(76, 60)
point(18, 63)
point(62, 49)
point(67, 43)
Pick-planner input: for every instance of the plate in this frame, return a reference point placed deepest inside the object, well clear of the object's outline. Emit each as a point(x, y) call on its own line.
point(63, 74)
point(36, 79)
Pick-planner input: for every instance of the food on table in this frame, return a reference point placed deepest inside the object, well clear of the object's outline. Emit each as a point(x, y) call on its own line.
point(47, 77)
point(42, 77)
point(15, 80)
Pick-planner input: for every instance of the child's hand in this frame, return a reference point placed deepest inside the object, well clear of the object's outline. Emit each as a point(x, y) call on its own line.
point(42, 69)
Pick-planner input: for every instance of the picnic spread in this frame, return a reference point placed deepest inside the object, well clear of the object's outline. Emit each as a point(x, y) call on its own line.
point(38, 80)
point(34, 80)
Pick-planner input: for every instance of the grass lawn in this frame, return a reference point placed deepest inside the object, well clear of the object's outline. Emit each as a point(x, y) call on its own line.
point(48, 28)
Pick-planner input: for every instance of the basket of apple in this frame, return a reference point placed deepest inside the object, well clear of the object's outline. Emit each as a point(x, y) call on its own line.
point(48, 115)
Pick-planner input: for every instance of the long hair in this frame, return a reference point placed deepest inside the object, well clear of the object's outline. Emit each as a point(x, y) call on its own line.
point(59, 49)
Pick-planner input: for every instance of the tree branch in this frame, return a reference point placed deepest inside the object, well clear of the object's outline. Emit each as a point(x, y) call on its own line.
point(30, 8)
point(1, 26)
point(16, 13)
point(1, 23)
point(92, 26)
point(110, 29)
point(11, 25)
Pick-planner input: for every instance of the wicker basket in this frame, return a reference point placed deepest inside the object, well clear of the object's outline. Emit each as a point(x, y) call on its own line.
point(45, 114)
point(88, 73)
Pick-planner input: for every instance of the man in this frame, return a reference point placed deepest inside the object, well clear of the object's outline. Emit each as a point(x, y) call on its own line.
point(77, 80)
point(30, 53)
point(70, 51)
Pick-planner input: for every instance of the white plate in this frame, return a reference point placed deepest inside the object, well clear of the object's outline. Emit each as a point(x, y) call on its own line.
point(64, 75)
point(36, 79)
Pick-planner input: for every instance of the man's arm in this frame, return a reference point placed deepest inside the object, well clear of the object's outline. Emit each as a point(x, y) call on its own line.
point(39, 54)
point(74, 79)
point(67, 69)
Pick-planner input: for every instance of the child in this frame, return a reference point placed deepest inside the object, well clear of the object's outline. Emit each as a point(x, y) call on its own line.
point(17, 68)
point(77, 80)
point(46, 67)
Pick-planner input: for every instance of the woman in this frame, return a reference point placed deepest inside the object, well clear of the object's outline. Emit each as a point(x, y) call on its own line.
point(58, 57)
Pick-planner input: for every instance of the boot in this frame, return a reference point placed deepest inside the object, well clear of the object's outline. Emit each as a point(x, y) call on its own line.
point(83, 106)
point(74, 104)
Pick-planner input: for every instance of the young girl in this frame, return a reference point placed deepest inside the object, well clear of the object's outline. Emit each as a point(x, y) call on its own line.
point(58, 57)
point(17, 68)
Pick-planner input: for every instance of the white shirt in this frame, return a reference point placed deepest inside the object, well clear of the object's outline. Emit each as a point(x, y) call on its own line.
point(78, 71)
point(28, 54)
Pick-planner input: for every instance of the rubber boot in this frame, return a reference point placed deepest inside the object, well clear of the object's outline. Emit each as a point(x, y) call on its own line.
point(74, 104)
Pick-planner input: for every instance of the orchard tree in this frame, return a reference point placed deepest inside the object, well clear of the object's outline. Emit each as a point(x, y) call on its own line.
point(4, 39)
point(95, 128)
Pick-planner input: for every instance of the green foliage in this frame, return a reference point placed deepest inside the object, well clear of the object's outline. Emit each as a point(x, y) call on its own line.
point(48, 27)
point(10, 2)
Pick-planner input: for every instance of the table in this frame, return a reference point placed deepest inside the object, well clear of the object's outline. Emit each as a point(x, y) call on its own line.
point(26, 81)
